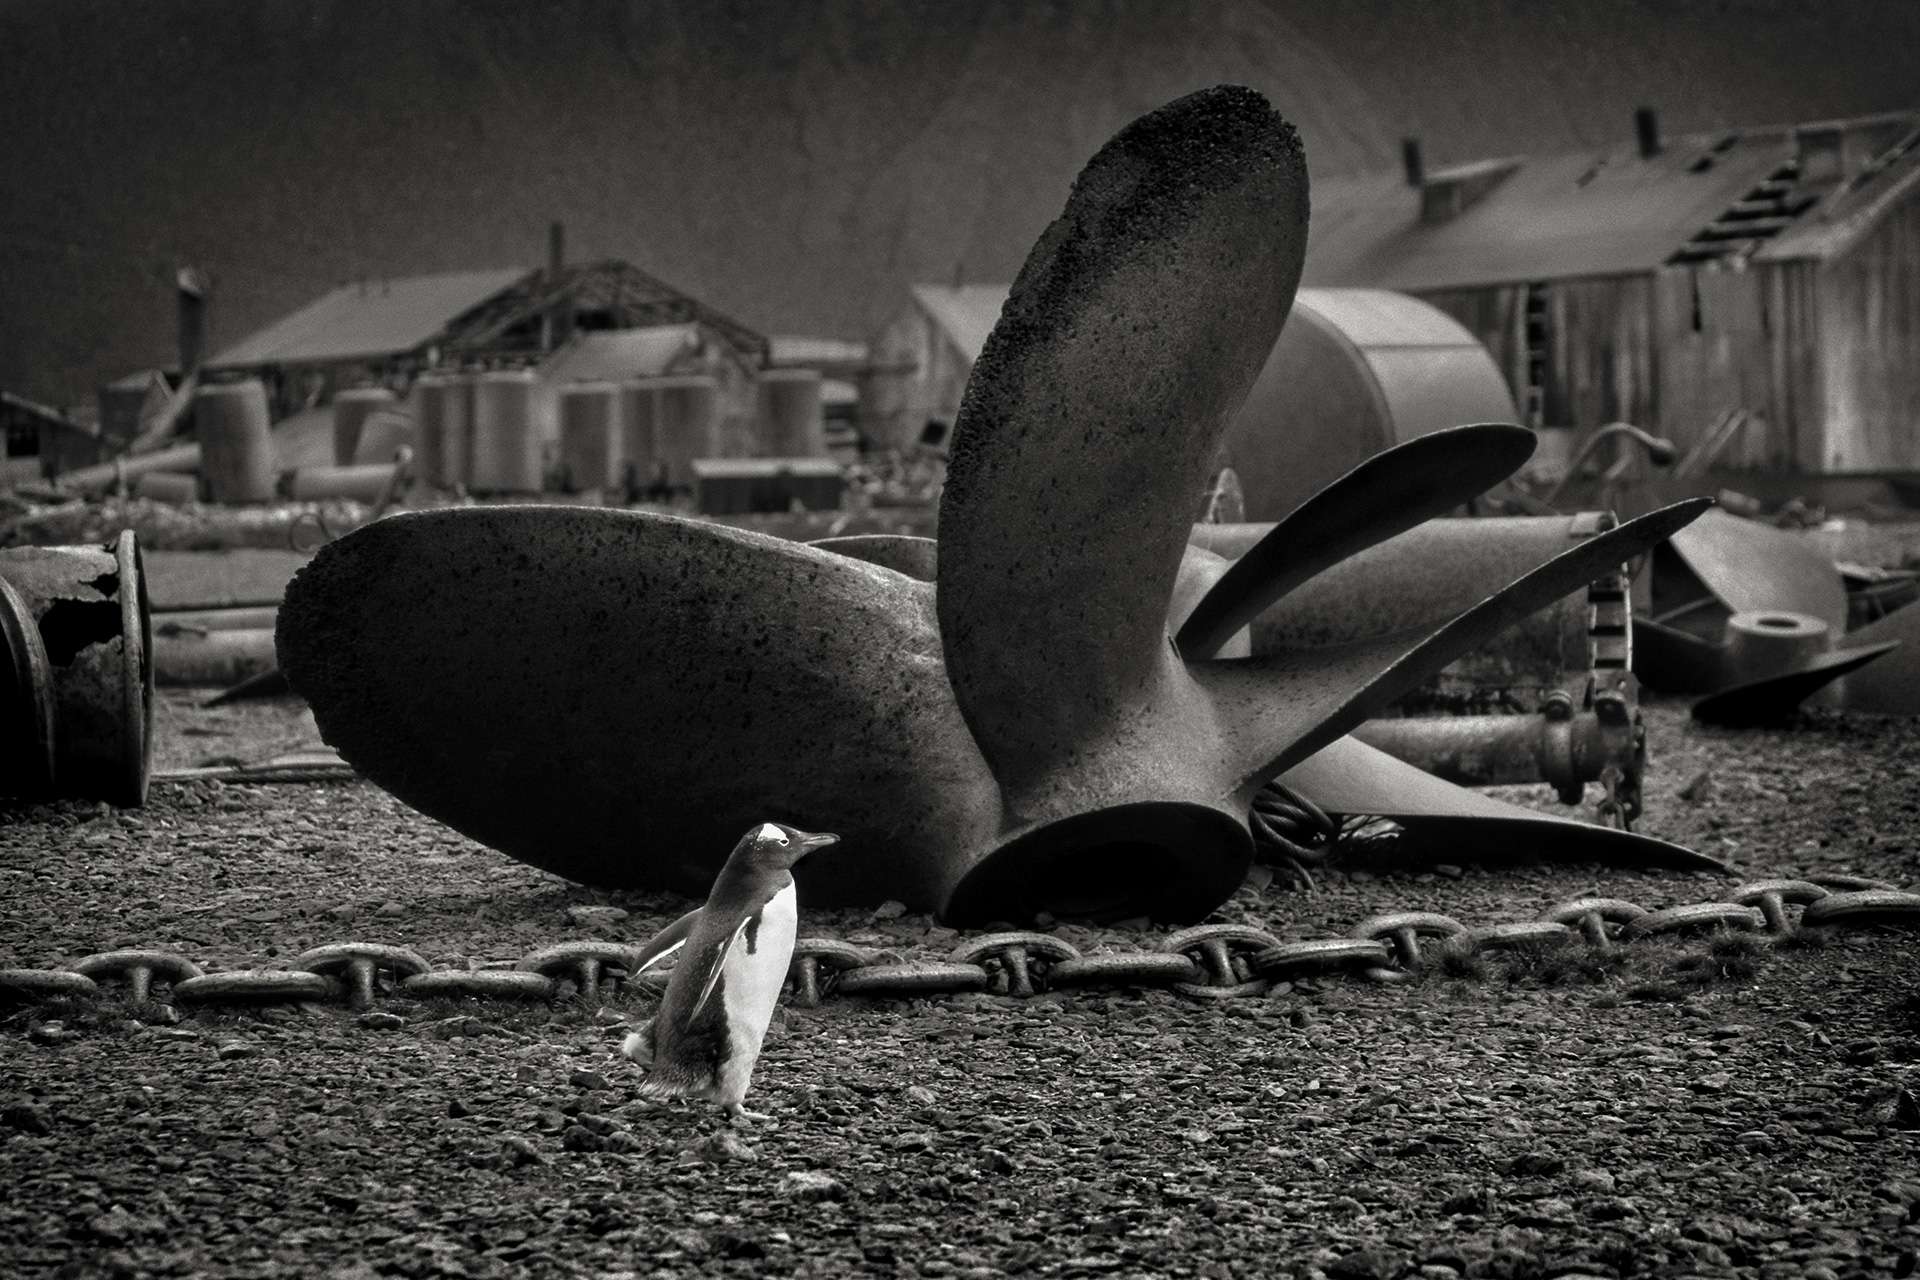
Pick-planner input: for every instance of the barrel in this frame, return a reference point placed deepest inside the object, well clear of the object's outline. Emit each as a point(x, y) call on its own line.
point(236, 448)
point(639, 453)
point(789, 411)
point(506, 452)
point(686, 424)
point(350, 410)
point(167, 486)
point(90, 606)
point(590, 436)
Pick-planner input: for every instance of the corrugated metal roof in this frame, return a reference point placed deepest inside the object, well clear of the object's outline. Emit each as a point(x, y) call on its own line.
point(966, 313)
point(1848, 214)
point(802, 350)
point(371, 319)
point(1597, 214)
point(614, 354)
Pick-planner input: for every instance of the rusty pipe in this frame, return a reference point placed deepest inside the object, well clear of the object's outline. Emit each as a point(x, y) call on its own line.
point(1560, 746)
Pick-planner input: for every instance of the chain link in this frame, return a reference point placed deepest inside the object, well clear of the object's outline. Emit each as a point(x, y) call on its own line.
point(1206, 962)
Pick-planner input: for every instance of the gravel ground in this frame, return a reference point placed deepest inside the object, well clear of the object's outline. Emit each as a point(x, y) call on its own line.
point(1697, 1108)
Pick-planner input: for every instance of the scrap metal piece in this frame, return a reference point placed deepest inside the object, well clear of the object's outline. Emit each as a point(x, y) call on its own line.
point(1771, 699)
point(1559, 746)
point(1890, 686)
point(90, 606)
point(1753, 567)
point(26, 701)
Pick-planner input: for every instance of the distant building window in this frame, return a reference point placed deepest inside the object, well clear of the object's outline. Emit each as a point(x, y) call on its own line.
point(23, 440)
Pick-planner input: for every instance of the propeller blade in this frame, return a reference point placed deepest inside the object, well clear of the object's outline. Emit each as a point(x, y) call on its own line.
point(1388, 494)
point(1083, 444)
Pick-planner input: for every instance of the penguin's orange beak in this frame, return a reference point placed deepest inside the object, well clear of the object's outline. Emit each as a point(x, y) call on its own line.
point(807, 842)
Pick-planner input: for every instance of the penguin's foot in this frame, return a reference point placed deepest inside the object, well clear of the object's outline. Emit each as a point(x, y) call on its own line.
point(740, 1117)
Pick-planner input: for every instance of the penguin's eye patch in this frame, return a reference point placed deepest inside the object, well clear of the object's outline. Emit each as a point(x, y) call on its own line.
point(768, 831)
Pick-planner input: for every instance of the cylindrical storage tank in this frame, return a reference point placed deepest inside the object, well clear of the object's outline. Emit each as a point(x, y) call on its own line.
point(639, 454)
point(386, 431)
point(686, 424)
point(351, 409)
point(90, 606)
point(236, 449)
point(790, 422)
point(443, 429)
point(1354, 371)
point(506, 452)
point(590, 436)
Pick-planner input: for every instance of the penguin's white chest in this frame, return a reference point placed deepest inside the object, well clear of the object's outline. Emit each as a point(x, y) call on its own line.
point(755, 973)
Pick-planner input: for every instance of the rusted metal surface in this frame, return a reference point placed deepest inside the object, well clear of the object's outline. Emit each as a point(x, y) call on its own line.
point(26, 700)
point(90, 606)
point(612, 695)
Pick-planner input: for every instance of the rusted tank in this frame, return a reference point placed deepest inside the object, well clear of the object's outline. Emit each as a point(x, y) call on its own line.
point(236, 451)
point(445, 434)
point(1354, 372)
point(686, 425)
point(89, 605)
point(790, 421)
point(639, 453)
point(590, 436)
point(506, 448)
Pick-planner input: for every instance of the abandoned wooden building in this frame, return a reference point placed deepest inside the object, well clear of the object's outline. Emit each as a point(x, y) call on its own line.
point(1762, 279)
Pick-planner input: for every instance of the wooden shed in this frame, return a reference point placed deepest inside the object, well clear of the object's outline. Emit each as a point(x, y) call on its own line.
point(1765, 276)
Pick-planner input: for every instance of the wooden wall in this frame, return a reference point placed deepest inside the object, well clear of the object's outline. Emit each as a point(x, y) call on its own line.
point(1869, 350)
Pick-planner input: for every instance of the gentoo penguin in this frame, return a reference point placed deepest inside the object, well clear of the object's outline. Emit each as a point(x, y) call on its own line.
point(734, 955)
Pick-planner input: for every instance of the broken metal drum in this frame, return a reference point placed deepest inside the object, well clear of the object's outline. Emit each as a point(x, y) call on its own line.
point(89, 605)
point(1354, 372)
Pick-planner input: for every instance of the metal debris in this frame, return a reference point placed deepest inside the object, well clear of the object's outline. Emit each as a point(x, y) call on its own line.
point(89, 607)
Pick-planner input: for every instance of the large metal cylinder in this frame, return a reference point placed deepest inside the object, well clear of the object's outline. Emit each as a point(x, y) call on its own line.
point(236, 449)
point(446, 429)
point(384, 433)
point(1354, 372)
point(639, 451)
point(590, 436)
point(89, 604)
point(1424, 577)
point(790, 421)
point(686, 424)
point(367, 482)
point(351, 408)
point(506, 449)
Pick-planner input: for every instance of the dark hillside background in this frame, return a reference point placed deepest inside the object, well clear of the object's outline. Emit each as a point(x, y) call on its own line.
point(795, 163)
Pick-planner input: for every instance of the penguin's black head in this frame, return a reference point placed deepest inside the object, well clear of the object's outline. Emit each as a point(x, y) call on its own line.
point(774, 844)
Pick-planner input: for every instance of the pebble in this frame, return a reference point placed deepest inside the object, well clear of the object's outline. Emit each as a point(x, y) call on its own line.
point(889, 910)
point(378, 1021)
point(518, 1151)
point(585, 1079)
point(238, 1049)
point(391, 911)
point(26, 1118)
point(811, 1184)
point(586, 916)
point(721, 1146)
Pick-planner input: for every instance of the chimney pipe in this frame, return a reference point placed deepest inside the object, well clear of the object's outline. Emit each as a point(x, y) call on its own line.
point(1410, 159)
point(190, 311)
point(556, 249)
point(1646, 127)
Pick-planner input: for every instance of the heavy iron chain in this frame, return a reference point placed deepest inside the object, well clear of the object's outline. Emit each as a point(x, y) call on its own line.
point(1206, 962)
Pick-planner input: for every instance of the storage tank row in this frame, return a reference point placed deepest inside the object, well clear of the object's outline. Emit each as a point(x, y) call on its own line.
point(481, 430)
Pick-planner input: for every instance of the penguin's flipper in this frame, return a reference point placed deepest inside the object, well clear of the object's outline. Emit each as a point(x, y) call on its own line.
point(717, 963)
point(665, 943)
